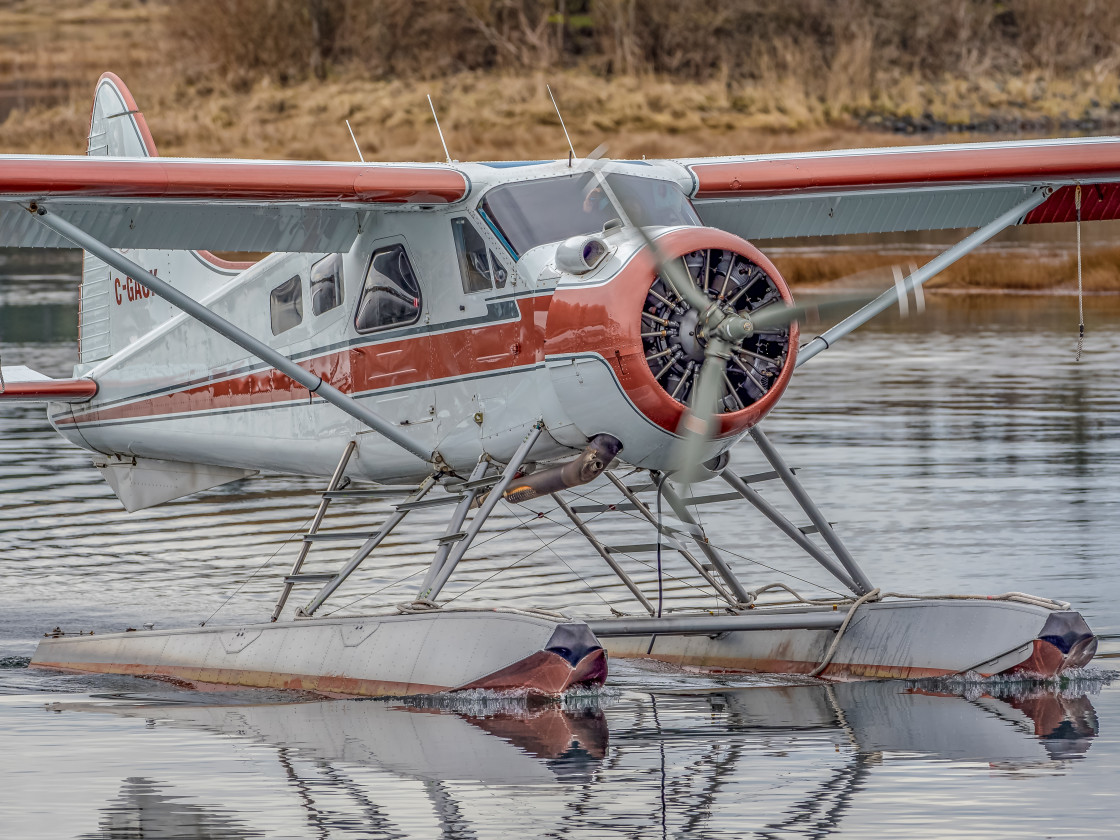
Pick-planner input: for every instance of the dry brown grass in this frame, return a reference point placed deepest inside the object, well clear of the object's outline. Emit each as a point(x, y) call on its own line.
point(51, 53)
point(868, 89)
point(486, 116)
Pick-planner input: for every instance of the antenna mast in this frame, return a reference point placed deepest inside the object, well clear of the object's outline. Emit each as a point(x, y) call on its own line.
point(355, 139)
point(446, 153)
point(571, 148)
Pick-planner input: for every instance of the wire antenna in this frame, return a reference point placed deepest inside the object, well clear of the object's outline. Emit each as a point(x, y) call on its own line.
point(446, 153)
point(571, 148)
point(355, 139)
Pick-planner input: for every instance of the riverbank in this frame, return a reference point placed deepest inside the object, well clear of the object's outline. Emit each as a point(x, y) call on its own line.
point(1042, 268)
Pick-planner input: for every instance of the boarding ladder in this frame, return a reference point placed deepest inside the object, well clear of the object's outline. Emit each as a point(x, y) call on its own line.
point(462, 494)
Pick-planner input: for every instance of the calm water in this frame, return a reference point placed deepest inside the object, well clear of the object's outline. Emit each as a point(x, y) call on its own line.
point(965, 452)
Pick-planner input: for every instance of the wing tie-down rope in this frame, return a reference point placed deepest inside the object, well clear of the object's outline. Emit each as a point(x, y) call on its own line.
point(1080, 293)
point(873, 595)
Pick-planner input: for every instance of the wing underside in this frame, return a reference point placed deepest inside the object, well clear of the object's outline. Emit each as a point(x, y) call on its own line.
point(232, 205)
point(905, 189)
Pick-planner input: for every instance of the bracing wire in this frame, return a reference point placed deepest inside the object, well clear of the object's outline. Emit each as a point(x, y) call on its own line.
point(660, 481)
point(723, 548)
point(568, 531)
point(298, 533)
point(1080, 292)
point(567, 565)
point(407, 578)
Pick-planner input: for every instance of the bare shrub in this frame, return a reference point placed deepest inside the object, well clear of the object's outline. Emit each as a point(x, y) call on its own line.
point(817, 44)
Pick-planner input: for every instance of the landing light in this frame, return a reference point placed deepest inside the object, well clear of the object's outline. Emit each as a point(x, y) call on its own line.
point(580, 254)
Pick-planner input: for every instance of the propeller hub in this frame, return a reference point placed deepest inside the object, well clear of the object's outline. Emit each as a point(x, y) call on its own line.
point(734, 284)
point(690, 335)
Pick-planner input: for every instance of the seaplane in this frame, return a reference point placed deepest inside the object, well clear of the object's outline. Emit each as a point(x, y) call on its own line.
point(474, 334)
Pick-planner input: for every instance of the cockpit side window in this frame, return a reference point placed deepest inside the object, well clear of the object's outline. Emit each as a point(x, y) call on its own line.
point(471, 250)
point(286, 305)
point(326, 284)
point(390, 294)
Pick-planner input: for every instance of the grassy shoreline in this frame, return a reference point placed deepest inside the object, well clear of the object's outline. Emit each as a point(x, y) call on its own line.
point(1042, 270)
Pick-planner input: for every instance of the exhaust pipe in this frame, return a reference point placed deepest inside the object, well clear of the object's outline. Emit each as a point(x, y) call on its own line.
point(585, 467)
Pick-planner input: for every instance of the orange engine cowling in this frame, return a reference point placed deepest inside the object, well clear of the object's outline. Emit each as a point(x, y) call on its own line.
point(648, 336)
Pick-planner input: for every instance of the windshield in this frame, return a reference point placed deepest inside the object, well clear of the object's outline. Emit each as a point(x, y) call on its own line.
point(532, 213)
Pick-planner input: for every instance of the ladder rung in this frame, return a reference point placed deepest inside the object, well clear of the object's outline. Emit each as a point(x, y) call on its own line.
point(682, 528)
point(309, 578)
point(452, 538)
point(604, 508)
point(353, 494)
point(690, 500)
point(753, 478)
point(633, 549)
point(329, 536)
point(430, 502)
point(482, 483)
point(712, 499)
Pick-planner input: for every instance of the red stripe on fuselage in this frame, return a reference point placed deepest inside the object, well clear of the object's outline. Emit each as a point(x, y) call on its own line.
point(369, 367)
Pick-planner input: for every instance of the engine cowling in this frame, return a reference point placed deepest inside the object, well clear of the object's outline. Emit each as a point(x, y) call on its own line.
point(649, 339)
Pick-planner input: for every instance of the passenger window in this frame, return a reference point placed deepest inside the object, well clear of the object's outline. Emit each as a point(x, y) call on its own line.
point(471, 249)
point(390, 293)
point(326, 284)
point(287, 305)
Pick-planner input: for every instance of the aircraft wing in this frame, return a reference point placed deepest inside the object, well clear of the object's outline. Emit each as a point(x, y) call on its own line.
point(904, 188)
point(230, 205)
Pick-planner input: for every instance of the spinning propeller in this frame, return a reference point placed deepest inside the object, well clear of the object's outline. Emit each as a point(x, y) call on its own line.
point(715, 330)
point(729, 328)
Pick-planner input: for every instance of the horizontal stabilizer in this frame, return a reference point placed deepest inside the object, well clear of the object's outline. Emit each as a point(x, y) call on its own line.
point(18, 382)
point(145, 482)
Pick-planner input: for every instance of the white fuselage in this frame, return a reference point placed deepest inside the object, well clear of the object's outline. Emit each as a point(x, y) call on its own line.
point(469, 376)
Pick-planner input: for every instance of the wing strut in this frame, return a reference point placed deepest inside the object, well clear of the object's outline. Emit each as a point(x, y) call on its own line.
point(238, 336)
point(931, 269)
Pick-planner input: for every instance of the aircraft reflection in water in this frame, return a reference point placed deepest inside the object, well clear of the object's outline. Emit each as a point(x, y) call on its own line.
point(710, 749)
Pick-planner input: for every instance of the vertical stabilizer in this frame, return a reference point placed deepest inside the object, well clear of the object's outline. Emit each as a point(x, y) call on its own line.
point(116, 127)
point(114, 311)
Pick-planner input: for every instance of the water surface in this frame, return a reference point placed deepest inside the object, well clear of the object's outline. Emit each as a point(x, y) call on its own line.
point(963, 452)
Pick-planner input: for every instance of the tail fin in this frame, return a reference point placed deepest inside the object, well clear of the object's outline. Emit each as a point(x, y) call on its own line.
point(114, 311)
point(116, 126)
